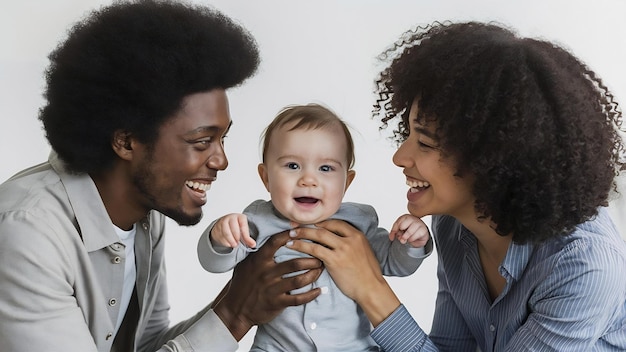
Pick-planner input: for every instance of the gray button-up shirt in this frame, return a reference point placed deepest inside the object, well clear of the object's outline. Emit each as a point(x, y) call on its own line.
point(61, 270)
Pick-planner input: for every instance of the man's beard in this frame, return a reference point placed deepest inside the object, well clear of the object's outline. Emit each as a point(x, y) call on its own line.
point(142, 181)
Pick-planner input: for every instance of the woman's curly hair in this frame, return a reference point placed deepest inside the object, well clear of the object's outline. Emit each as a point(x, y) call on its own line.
point(128, 66)
point(537, 129)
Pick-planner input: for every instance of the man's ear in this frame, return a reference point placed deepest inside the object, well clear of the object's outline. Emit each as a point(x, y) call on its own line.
point(349, 178)
point(122, 144)
point(264, 177)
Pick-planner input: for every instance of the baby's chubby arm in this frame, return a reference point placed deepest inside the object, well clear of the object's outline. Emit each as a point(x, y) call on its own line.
point(410, 229)
point(231, 229)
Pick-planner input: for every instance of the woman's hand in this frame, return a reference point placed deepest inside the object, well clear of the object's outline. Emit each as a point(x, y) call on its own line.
point(349, 259)
point(257, 292)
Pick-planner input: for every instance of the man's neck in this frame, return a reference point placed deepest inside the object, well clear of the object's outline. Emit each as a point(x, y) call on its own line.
point(118, 196)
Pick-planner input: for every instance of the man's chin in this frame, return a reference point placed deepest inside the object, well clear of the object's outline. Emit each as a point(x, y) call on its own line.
point(187, 222)
point(183, 219)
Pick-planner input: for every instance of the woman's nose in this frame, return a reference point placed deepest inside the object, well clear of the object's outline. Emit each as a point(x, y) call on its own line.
point(400, 157)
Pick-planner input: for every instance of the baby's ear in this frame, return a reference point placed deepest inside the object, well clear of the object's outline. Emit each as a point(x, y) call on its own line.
point(349, 178)
point(264, 177)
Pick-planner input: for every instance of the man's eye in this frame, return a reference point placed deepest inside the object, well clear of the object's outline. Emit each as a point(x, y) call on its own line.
point(202, 143)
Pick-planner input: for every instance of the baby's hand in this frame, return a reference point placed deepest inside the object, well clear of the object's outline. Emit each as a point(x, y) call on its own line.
point(230, 229)
point(410, 229)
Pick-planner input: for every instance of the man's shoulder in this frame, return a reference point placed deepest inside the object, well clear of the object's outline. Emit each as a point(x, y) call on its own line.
point(38, 187)
point(34, 206)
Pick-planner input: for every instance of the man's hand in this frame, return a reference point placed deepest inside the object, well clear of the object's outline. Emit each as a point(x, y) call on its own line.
point(257, 292)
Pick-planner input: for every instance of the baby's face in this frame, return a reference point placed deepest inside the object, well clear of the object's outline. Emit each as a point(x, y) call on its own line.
point(306, 173)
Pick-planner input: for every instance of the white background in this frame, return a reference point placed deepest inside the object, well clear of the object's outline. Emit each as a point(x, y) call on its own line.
point(312, 51)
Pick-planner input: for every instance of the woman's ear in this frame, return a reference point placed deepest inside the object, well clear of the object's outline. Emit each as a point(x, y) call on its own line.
point(122, 144)
point(264, 176)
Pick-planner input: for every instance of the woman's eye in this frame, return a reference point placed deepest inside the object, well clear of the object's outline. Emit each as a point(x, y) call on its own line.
point(423, 145)
point(292, 166)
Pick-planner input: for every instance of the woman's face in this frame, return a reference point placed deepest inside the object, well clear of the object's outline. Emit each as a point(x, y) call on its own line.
point(434, 188)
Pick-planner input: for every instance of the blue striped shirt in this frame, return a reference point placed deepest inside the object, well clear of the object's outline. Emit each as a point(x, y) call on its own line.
point(566, 294)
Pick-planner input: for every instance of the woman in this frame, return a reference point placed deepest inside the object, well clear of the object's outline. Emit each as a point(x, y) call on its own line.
point(512, 145)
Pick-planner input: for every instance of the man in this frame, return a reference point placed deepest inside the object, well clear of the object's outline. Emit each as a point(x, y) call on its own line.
point(136, 114)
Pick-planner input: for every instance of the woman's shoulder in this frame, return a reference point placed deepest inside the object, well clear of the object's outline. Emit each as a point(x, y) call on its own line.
point(596, 235)
point(594, 250)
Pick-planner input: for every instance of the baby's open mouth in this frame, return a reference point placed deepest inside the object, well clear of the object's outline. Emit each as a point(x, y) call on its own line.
point(308, 200)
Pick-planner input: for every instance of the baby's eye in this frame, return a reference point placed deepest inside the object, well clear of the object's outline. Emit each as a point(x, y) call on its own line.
point(326, 168)
point(292, 166)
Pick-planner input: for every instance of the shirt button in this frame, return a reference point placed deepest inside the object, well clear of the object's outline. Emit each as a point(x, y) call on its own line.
point(313, 326)
point(109, 335)
point(492, 328)
point(145, 226)
point(112, 302)
point(117, 260)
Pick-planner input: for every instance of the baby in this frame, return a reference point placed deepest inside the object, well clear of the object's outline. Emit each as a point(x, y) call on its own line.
point(308, 154)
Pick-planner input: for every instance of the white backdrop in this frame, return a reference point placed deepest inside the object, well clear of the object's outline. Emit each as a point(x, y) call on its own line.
point(312, 51)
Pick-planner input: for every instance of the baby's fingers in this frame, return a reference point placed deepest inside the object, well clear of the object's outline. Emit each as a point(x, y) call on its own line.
point(395, 231)
point(245, 232)
point(417, 235)
point(231, 232)
point(231, 229)
point(400, 227)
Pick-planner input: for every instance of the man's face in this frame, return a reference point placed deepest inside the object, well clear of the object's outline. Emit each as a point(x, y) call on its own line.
point(173, 175)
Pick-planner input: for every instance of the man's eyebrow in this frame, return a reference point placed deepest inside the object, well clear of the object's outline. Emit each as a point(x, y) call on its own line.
point(203, 129)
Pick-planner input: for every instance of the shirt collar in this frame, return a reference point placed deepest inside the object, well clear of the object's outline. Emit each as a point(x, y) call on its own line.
point(94, 223)
point(517, 256)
